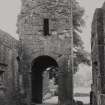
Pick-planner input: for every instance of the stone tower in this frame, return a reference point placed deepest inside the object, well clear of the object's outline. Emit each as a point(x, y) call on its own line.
point(43, 28)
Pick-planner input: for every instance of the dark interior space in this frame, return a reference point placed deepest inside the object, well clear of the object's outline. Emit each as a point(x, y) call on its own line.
point(46, 27)
point(38, 66)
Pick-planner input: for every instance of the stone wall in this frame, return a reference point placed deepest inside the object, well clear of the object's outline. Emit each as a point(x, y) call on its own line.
point(33, 42)
point(98, 57)
point(8, 68)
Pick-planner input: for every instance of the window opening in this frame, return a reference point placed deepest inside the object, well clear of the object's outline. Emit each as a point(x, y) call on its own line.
point(46, 27)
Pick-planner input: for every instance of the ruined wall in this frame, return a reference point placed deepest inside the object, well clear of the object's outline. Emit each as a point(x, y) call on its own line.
point(98, 57)
point(33, 42)
point(8, 68)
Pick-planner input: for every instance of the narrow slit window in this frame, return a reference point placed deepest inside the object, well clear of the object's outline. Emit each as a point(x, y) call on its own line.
point(46, 27)
point(1, 76)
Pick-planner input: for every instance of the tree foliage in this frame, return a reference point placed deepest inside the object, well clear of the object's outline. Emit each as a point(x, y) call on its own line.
point(81, 56)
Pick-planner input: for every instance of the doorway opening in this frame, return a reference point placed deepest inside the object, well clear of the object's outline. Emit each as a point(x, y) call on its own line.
point(40, 65)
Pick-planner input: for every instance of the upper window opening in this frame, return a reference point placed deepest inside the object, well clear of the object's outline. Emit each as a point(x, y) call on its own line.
point(46, 27)
point(95, 63)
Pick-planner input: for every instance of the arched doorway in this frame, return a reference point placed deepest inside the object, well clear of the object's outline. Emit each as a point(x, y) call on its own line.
point(39, 65)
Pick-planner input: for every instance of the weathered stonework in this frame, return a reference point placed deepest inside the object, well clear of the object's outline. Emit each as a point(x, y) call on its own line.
point(35, 48)
point(98, 57)
point(8, 69)
point(24, 62)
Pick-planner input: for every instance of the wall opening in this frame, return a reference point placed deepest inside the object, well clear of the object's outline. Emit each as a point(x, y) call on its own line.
point(46, 27)
point(39, 65)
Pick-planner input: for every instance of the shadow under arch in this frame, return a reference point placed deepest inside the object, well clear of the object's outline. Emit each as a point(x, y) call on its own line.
point(39, 65)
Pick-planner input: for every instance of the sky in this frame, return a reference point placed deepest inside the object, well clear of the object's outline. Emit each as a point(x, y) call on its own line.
point(89, 6)
point(9, 9)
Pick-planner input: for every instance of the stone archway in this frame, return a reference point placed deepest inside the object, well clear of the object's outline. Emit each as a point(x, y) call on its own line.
point(39, 65)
